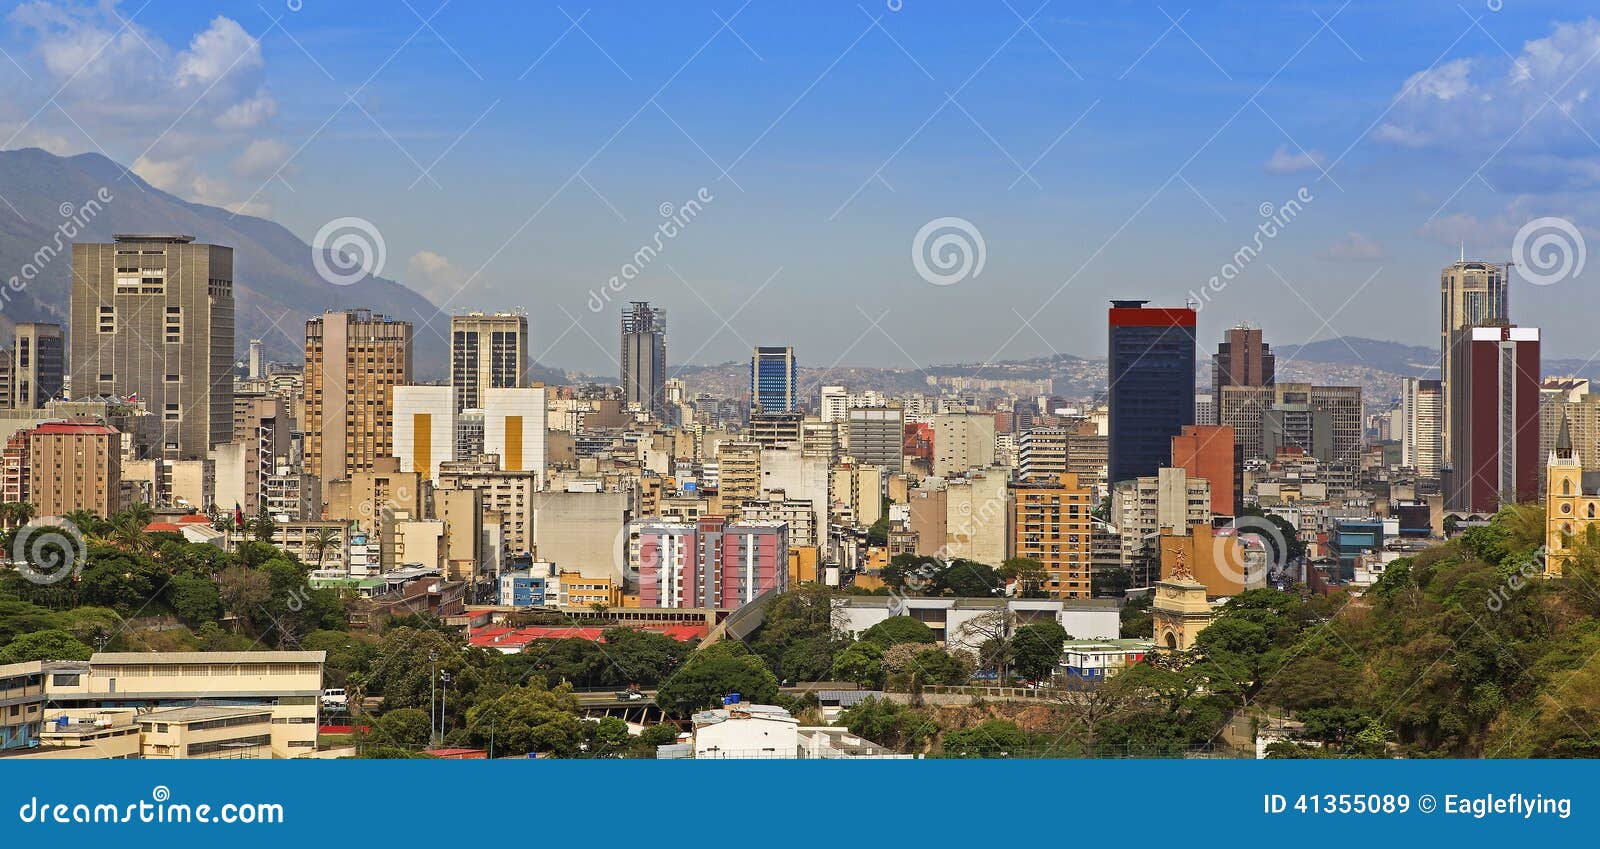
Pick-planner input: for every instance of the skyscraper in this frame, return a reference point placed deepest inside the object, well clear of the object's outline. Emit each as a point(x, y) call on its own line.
point(1243, 359)
point(486, 352)
point(1150, 384)
point(1494, 384)
point(152, 316)
point(39, 364)
point(1471, 294)
point(644, 357)
point(354, 360)
point(1422, 425)
point(772, 380)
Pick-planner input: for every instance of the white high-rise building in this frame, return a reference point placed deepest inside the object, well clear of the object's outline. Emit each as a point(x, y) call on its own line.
point(962, 441)
point(1422, 423)
point(424, 428)
point(514, 428)
point(834, 403)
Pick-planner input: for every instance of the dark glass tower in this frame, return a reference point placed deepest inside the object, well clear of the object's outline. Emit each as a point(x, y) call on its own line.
point(1151, 373)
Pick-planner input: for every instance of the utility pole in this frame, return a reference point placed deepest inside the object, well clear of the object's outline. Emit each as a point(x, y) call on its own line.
point(433, 725)
point(444, 693)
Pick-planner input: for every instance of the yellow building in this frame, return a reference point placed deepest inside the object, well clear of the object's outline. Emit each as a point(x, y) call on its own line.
point(286, 684)
point(209, 733)
point(1180, 609)
point(1572, 505)
point(1224, 562)
point(579, 590)
point(1052, 524)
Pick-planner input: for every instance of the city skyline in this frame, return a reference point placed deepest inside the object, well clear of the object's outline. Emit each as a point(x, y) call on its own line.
point(1343, 111)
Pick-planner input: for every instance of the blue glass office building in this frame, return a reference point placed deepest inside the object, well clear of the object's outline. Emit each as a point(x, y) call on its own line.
point(772, 380)
point(1150, 385)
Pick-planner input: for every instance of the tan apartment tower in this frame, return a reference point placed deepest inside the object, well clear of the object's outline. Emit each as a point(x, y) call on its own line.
point(487, 351)
point(354, 360)
point(1471, 294)
point(152, 317)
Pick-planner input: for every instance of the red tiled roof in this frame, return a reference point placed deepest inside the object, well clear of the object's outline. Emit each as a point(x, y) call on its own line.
point(75, 428)
point(502, 638)
point(194, 519)
point(163, 526)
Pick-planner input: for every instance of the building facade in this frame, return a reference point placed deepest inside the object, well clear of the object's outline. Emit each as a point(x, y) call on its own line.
point(1151, 380)
point(773, 380)
point(487, 351)
point(1494, 456)
point(354, 361)
point(152, 317)
point(644, 358)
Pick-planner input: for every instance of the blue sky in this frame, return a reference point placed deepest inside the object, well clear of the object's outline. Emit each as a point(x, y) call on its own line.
point(512, 157)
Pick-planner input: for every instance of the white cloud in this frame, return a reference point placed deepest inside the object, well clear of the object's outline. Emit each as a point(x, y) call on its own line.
point(434, 276)
point(1356, 247)
point(1523, 114)
point(185, 113)
point(262, 156)
point(219, 51)
point(1285, 162)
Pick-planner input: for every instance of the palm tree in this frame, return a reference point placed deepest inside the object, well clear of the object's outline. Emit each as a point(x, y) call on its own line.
point(321, 541)
point(129, 535)
point(141, 512)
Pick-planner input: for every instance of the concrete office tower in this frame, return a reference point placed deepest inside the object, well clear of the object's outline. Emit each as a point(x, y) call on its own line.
point(1205, 408)
point(261, 429)
point(152, 316)
point(487, 351)
point(74, 465)
point(39, 361)
point(1150, 385)
point(1471, 294)
point(424, 428)
point(1495, 383)
point(962, 441)
point(354, 361)
point(1422, 425)
point(514, 429)
point(644, 358)
point(877, 437)
point(1243, 359)
point(773, 380)
point(1042, 453)
point(255, 364)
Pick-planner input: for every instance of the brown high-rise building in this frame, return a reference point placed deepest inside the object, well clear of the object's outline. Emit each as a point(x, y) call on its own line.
point(152, 316)
point(261, 424)
point(353, 362)
point(1243, 359)
point(1051, 524)
point(74, 465)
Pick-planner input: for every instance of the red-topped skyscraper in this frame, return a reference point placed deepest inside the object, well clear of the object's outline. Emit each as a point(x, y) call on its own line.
point(1150, 385)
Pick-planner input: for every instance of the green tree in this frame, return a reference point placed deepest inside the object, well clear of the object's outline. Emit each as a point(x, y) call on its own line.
point(861, 663)
point(712, 673)
point(898, 629)
point(1029, 574)
point(529, 719)
point(889, 723)
point(45, 645)
point(408, 727)
point(994, 738)
point(195, 599)
point(1036, 650)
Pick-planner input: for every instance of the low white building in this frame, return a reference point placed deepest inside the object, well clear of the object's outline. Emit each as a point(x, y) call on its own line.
point(957, 621)
point(768, 732)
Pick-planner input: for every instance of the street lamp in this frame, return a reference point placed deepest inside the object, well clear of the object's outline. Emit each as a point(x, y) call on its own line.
point(444, 694)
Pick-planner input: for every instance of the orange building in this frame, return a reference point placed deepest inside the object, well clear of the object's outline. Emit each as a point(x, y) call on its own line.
point(75, 466)
point(1210, 452)
point(1225, 563)
point(1052, 525)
